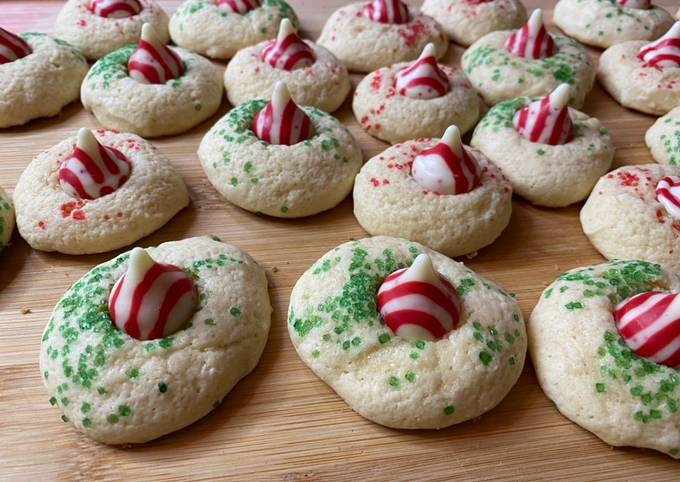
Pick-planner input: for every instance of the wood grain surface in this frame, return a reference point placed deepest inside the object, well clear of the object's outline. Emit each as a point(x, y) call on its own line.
point(281, 422)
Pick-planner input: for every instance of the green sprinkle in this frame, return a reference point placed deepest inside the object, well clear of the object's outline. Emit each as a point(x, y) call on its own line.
point(64, 418)
point(284, 209)
point(198, 107)
point(124, 410)
point(87, 423)
point(410, 376)
point(485, 357)
point(384, 338)
point(162, 387)
point(393, 382)
point(420, 344)
point(235, 312)
point(600, 388)
point(210, 322)
point(448, 410)
point(53, 401)
point(132, 373)
point(112, 419)
point(316, 353)
point(85, 407)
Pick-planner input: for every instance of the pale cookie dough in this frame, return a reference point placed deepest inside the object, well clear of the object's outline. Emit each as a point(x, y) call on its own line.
point(284, 181)
point(663, 138)
point(51, 220)
point(151, 110)
point(624, 220)
point(201, 26)
point(499, 75)
point(117, 389)
point(547, 175)
point(586, 369)
point(388, 201)
point(602, 23)
point(646, 89)
point(364, 45)
point(337, 331)
point(466, 21)
point(41, 83)
point(393, 117)
point(6, 219)
point(97, 36)
point(324, 85)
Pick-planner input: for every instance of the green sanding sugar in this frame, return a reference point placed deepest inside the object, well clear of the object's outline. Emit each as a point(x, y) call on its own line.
point(449, 409)
point(87, 423)
point(85, 407)
point(393, 382)
point(235, 312)
point(162, 387)
point(410, 376)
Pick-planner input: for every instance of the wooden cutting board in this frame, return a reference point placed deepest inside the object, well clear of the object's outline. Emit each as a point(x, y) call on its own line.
point(281, 422)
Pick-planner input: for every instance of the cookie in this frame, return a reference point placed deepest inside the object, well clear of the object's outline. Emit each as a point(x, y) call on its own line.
point(6, 219)
point(552, 154)
point(369, 35)
point(280, 159)
point(416, 99)
point(98, 27)
point(631, 214)
point(312, 74)
point(219, 28)
point(663, 138)
point(436, 192)
point(644, 76)
point(38, 76)
point(528, 62)
point(466, 21)
point(96, 193)
point(427, 347)
point(182, 89)
point(601, 341)
point(121, 385)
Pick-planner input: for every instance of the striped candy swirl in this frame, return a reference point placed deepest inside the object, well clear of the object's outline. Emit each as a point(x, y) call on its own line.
point(447, 168)
point(288, 51)
point(639, 4)
point(12, 47)
point(93, 170)
point(546, 121)
point(153, 62)
point(115, 8)
point(649, 323)
point(668, 194)
point(424, 79)
point(417, 303)
point(238, 6)
point(387, 11)
point(282, 121)
point(532, 41)
point(151, 300)
point(664, 52)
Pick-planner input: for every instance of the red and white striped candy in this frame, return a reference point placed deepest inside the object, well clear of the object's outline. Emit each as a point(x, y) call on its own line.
point(649, 323)
point(546, 121)
point(532, 41)
point(663, 52)
point(288, 51)
point(115, 8)
point(282, 121)
point(423, 79)
point(417, 303)
point(12, 47)
point(153, 62)
point(151, 300)
point(638, 4)
point(93, 170)
point(447, 168)
point(238, 6)
point(387, 11)
point(668, 194)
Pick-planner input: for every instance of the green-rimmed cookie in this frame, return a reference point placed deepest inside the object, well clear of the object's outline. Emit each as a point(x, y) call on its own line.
point(663, 138)
point(6, 219)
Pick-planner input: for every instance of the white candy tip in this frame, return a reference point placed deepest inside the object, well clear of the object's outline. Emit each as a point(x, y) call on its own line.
point(673, 32)
point(281, 95)
point(285, 29)
point(86, 140)
point(422, 269)
point(559, 97)
point(536, 19)
point(149, 34)
point(428, 51)
point(139, 264)
point(452, 138)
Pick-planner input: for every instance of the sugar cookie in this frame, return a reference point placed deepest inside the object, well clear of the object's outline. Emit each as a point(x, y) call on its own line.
point(644, 76)
point(602, 354)
point(466, 21)
point(417, 99)
point(552, 154)
point(369, 35)
point(280, 159)
point(152, 90)
point(219, 28)
point(6, 219)
point(96, 193)
point(312, 74)
point(427, 347)
point(134, 384)
point(663, 138)
point(528, 62)
point(631, 214)
point(438, 193)
point(98, 27)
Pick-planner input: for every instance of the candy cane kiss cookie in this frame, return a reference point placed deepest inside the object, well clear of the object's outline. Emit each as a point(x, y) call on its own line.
point(151, 89)
point(369, 35)
point(154, 339)
point(605, 343)
point(663, 138)
point(312, 74)
point(406, 336)
point(96, 192)
point(436, 192)
point(416, 99)
point(98, 27)
point(552, 154)
point(6, 219)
